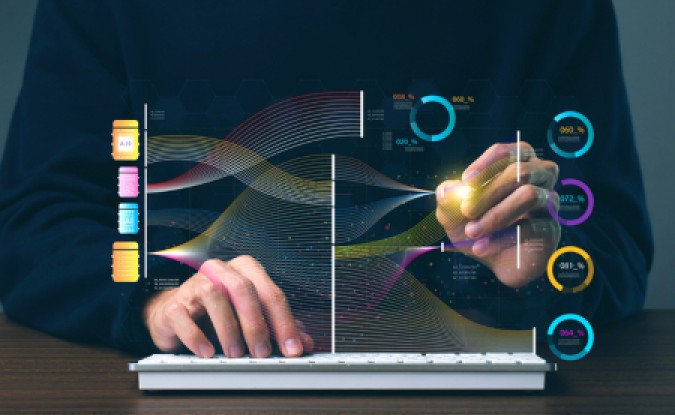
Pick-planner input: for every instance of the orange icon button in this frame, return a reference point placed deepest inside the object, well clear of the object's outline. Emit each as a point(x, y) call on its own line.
point(125, 262)
point(125, 140)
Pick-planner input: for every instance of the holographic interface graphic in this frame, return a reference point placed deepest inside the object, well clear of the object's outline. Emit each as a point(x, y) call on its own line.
point(326, 190)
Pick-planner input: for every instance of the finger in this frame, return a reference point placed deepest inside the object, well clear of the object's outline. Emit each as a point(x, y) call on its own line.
point(494, 160)
point(495, 243)
point(523, 200)
point(541, 173)
point(539, 232)
point(247, 305)
point(180, 321)
point(553, 198)
point(307, 342)
point(275, 305)
point(508, 265)
point(162, 334)
point(449, 196)
point(222, 316)
point(535, 234)
point(537, 238)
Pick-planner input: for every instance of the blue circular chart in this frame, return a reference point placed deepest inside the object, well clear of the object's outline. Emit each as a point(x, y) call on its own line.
point(438, 100)
point(570, 337)
point(588, 131)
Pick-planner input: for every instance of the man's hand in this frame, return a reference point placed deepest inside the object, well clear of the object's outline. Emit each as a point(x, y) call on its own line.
point(243, 305)
point(481, 212)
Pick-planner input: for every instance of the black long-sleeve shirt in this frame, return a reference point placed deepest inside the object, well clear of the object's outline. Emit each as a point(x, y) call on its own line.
point(57, 179)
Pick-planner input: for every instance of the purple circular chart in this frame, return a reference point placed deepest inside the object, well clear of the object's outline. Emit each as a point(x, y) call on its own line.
point(589, 208)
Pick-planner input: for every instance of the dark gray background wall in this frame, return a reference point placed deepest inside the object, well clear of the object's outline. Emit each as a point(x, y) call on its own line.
point(647, 32)
point(16, 21)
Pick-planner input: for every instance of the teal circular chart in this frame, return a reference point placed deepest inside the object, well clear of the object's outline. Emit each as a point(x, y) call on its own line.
point(570, 337)
point(452, 118)
point(569, 136)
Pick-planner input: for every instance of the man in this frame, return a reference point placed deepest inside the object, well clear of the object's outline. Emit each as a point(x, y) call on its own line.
point(56, 205)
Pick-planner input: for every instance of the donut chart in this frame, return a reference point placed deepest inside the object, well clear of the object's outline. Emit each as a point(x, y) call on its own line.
point(451, 121)
point(589, 208)
point(589, 131)
point(570, 331)
point(555, 281)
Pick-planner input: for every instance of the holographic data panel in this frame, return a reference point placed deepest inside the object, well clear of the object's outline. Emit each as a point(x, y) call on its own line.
point(334, 193)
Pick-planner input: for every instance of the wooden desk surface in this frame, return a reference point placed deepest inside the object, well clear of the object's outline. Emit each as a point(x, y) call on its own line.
point(631, 369)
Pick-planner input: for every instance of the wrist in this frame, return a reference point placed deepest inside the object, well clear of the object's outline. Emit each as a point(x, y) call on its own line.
point(151, 305)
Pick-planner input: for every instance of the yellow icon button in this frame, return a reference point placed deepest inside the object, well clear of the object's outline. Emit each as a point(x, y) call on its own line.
point(125, 140)
point(125, 262)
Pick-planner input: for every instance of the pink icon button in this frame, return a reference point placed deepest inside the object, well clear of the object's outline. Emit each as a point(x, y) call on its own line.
point(127, 182)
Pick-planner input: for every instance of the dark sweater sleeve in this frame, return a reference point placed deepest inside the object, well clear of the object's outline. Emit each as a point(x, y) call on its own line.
point(618, 233)
point(574, 47)
point(58, 200)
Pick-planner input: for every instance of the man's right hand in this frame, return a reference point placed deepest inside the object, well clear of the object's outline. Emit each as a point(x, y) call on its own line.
point(241, 301)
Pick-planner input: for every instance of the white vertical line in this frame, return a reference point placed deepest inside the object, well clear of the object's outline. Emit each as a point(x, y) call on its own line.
point(518, 246)
point(145, 190)
point(534, 340)
point(442, 246)
point(332, 259)
point(518, 155)
point(518, 179)
point(361, 114)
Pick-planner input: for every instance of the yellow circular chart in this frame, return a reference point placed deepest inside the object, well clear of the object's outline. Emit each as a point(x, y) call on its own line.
point(564, 273)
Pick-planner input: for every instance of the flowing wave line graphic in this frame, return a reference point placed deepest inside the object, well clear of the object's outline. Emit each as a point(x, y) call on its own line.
point(291, 241)
point(256, 172)
point(283, 113)
point(426, 232)
point(195, 220)
point(409, 318)
point(287, 237)
point(285, 125)
point(353, 222)
point(349, 169)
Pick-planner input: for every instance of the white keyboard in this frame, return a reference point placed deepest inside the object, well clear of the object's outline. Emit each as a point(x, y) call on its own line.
point(344, 371)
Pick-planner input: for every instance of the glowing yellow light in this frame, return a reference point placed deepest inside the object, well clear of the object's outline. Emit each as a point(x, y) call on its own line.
point(463, 192)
